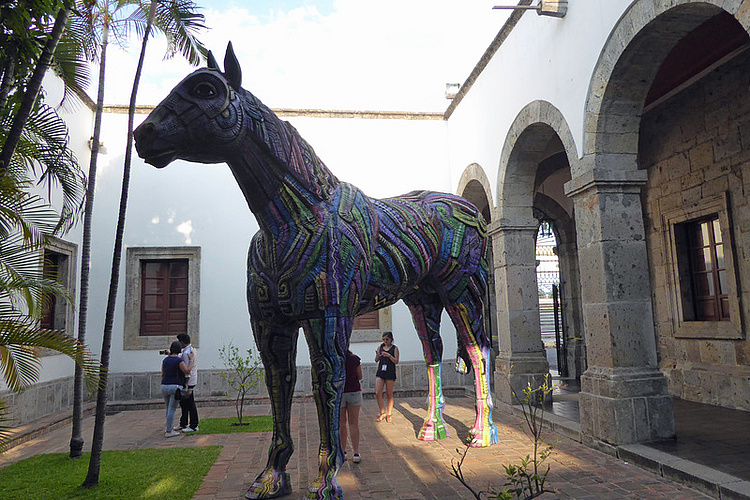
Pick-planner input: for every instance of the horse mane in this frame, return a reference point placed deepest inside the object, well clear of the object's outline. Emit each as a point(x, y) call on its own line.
point(286, 145)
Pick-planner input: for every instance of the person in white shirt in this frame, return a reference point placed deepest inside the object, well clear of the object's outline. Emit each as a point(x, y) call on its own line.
point(189, 354)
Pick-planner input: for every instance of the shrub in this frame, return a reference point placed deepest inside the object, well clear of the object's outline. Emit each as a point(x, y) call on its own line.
point(241, 372)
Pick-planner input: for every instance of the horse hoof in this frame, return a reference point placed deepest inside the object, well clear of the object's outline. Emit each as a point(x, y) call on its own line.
point(482, 438)
point(316, 491)
point(269, 484)
point(432, 431)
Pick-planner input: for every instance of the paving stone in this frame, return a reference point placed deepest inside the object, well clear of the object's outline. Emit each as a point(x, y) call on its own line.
point(395, 465)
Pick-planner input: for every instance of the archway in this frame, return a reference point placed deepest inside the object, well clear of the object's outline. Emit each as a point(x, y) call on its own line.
point(624, 397)
point(534, 162)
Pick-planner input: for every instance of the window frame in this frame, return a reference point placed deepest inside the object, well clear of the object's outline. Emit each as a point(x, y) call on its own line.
point(65, 311)
point(385, 323)
point(680, 274)
point(132, 339)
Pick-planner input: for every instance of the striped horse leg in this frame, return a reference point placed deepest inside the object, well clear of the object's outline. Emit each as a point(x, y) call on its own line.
point(426, 311)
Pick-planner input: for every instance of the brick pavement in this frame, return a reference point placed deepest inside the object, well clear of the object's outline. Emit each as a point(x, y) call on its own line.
point(395, 465)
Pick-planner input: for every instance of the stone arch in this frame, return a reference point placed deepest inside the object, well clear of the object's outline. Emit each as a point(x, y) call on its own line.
point(526, 144)
point(475, 187)
point(623, 382)
point(539, 135)
point(635, 50)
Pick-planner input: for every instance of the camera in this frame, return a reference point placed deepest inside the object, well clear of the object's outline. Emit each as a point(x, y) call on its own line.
point(164, 352)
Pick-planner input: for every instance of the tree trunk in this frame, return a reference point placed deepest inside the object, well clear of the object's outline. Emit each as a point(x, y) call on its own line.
point(76, 440)
point(8, 68)
point(92, 478)
point(32, 90)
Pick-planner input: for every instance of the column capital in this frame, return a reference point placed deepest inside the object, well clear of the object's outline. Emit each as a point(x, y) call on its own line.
point(606, 180)
point(504, 225)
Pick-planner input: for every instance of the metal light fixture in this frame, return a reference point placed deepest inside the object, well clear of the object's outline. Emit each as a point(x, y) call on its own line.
point(552, 8)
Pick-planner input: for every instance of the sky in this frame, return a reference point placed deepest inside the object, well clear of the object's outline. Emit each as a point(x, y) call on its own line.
point(390, 55)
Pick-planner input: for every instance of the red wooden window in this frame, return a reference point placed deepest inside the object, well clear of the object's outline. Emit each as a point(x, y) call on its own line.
point(164, 297)
point(708, 270)
point(367, 321)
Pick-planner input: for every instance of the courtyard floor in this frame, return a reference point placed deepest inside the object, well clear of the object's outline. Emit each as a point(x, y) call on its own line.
point(395, 465)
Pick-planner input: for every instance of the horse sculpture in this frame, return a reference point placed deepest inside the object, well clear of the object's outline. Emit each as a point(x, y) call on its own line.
point(324, 254)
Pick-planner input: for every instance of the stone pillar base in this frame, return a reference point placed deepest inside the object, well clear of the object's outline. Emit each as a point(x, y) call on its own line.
point(521, 369)
point(626, 405)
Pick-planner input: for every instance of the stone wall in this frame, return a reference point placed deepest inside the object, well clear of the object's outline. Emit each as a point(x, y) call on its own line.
point(39, 400)
point(57, 396)
point(696, 147)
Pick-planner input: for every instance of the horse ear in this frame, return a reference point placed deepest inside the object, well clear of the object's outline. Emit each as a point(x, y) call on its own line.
point(232, 70)
point(212, 64)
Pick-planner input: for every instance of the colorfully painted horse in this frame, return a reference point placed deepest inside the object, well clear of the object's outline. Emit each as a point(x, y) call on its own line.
point(324, 254)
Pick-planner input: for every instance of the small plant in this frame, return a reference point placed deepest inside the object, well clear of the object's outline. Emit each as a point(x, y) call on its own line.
point(242, 373)
point(527, 479)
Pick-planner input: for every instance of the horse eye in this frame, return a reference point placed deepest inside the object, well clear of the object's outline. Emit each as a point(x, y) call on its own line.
point(204, 90)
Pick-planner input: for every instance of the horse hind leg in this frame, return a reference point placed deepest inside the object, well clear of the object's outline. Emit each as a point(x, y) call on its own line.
point(468, 318)
point(426, 316)
point(278, 351)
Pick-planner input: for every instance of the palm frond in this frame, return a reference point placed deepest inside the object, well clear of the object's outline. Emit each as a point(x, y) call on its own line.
point(23, 283)
point(26, 213)
point(70, 64)
point(180, 21)
point(43, 150)
point(20, 339)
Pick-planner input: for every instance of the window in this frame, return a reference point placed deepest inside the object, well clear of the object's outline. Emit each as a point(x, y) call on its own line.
point(703, 282)
point(59, 260)
point(162, 296)
point(369, 327)
point(367, 321)
point(708, 271)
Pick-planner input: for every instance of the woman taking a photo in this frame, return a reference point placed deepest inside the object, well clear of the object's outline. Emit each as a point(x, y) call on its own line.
point(386, 356)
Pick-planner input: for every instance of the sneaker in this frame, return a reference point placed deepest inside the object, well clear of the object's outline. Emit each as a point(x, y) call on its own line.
point(172, 433)
point(190, 429)
point(356, 458)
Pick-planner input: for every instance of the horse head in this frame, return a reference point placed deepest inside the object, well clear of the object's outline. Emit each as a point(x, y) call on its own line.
point(201, 120)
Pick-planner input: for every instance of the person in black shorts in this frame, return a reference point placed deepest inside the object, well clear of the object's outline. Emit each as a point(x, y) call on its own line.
point(386, 356)
point(351, 400)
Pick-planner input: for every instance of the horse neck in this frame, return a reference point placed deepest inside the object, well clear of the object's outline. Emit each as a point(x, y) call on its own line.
point(279, 173)
point(276, 202)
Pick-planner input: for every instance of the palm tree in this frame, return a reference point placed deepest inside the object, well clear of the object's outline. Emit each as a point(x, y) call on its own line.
point(178, 21)
point(94, 17)
point(34, 83)
point(34, 148)
point(26, 223)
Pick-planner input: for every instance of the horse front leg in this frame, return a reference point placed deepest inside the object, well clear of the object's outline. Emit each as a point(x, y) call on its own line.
point(278, 352)
point(469, 322)
point(327, 339)
point(426, 315)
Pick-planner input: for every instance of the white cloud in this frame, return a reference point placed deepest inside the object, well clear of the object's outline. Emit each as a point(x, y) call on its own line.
point(389, 55)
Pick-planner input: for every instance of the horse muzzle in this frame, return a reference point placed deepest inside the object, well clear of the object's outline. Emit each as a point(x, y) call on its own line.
point(145, 138)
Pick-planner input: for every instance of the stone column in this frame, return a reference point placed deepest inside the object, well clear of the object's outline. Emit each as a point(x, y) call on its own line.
point(624, 396)
point(521, 351)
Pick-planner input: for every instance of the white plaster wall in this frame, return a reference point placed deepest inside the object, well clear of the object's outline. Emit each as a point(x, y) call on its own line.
point(80, 126)
point(189, 204)
point(383, 157)
point(545, 59)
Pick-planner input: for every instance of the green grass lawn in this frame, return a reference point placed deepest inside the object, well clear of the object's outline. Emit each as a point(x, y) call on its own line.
point(262, 423)
point(158, 474)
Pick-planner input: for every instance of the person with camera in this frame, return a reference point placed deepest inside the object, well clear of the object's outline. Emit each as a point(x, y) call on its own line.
point(173, 371)
point(187, 403)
